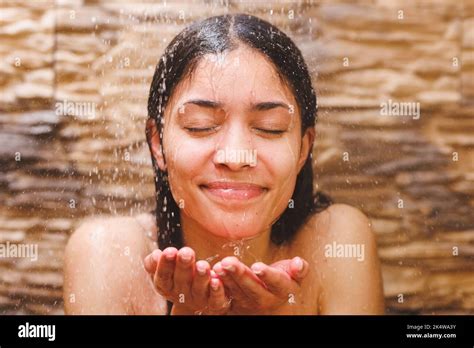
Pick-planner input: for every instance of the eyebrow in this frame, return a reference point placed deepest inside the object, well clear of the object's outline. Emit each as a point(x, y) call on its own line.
point(262, 106)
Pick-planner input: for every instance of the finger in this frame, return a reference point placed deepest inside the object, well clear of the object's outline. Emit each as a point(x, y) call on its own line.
point(183, 275)
point(278, 282)
point(299, 269)
point(152, 260)
point(218, 303)
point(223, 270)
point(249, 285)
point(165, 272)
point(200, 286)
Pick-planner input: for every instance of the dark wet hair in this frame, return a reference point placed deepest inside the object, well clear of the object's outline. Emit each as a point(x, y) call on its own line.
point(215, 35)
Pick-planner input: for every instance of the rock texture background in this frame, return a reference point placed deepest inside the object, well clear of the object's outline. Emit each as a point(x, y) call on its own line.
point(57, 169)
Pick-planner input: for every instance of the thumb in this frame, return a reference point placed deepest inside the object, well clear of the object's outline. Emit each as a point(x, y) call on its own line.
point(152, 260)
point(298, 269)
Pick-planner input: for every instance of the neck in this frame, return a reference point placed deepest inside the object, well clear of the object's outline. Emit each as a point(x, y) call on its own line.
point(212, 248)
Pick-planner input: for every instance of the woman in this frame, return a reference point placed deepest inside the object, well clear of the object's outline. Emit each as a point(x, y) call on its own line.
point(237, 229)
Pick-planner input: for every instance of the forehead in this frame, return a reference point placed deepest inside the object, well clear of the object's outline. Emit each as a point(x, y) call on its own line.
point(242, 76)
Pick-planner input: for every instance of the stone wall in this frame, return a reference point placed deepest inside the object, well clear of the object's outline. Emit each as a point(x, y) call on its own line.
point(413, 176)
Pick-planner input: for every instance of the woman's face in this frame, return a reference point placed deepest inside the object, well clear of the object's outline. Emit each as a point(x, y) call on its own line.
point(232, 144)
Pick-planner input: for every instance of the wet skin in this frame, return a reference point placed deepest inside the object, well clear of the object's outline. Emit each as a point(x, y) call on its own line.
point(227, 201)
point(229, 286)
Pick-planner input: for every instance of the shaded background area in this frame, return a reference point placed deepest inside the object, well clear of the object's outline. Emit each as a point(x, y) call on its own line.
point(413, 177)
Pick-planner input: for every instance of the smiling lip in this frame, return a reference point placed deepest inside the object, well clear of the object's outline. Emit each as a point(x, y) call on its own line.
point(233, 190)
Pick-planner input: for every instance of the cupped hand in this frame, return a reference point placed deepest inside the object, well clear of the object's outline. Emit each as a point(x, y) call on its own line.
point(262, 288)
point(192, 286)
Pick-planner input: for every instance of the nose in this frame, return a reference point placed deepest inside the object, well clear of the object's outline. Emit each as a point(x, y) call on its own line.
point(234, 149)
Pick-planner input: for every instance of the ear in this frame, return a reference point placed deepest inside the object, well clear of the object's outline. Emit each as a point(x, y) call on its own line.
point(154, 143)
point(306, 146)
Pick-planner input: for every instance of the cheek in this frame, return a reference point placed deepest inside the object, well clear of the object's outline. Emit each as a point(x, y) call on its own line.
point(185, 159)
point(280, 159)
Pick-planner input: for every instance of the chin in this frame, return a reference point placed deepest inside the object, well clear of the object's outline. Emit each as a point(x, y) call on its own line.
point(235, 229)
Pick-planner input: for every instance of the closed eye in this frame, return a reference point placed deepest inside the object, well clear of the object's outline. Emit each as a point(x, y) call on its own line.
point(199, 130)
point(271, 131)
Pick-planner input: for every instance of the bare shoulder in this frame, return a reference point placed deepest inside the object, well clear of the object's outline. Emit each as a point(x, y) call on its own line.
point(344, 223)
point(116, 228)
point(112, 236)
point(340, 244)
point(337, 222)
point(103, 265)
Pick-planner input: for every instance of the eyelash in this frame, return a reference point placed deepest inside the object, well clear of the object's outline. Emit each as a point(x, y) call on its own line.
point(199, 130)
point(271, 131)
point(203, 130)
